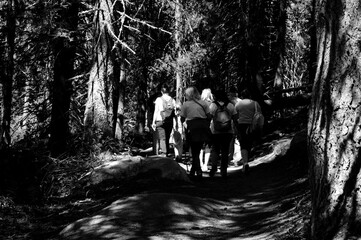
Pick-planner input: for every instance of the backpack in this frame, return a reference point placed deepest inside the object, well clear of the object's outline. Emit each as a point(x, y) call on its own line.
point(222, 120)
point(256, 126)
point(168, 110)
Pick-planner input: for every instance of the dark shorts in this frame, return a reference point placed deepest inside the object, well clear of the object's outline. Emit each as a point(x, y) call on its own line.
point(245, 139)
point(198, 131)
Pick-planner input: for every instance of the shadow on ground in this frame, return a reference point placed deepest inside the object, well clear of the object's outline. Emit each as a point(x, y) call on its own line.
point(271, 202)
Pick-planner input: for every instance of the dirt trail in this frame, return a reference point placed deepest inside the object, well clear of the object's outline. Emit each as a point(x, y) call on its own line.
point(268, 203)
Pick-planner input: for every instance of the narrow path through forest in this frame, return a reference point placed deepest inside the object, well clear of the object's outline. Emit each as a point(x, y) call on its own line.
point(271, 202)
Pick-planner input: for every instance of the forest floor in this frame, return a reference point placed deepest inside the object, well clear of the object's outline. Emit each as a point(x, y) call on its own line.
point(271, 202)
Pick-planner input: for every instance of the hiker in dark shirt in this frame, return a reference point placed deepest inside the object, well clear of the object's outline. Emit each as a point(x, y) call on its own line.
point(195, 114)
point(223, 117)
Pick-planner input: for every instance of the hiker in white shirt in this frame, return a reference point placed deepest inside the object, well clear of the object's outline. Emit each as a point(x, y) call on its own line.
point(161, 124)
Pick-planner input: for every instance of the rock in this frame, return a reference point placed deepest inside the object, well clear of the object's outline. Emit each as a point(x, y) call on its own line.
point(128, 167)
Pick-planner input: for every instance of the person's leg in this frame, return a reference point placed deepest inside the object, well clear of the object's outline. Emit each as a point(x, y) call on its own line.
point(231, 149)
point(237, 151)
point(168, 131)
point(245, 143)
point(180, 149)
point(226, 140)
point(207, 153)
point(176, 152)
point(215, 154)
point(162, 140)
point(244, 153)
point(196, 167)
point(201, 157)
point(155, 142)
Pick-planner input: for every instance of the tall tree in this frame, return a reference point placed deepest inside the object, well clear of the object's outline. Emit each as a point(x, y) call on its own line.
point(334, 128)
point(313, 44)
point(142, 80)
point(64, 54)
point(177, 46)
point(99, 116)
point(281, 20)
point(7, 72)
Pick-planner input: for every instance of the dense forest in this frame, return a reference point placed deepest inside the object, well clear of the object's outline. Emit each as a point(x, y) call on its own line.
point(79, 78)
point(79, 72)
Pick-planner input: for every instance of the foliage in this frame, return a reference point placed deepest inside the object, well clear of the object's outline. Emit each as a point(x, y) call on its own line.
point(297, 44)
point(223, 44)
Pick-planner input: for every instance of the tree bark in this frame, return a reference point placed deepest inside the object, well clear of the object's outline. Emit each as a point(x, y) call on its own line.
point(177, 42)
point(281, 20)
point(7, 75)
point(64, 54)
point(119, 56)
point(334, 127)
point(120, 98)
point(313, 45)
point(98, 116)
point(142, 80)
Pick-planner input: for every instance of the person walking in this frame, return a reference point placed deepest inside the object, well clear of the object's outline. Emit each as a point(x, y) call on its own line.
point(246, 109)
point(205, 153)
point(195, 114)
point(234, 147)
point(176, 137)
point(223, 116)
point(163, 120)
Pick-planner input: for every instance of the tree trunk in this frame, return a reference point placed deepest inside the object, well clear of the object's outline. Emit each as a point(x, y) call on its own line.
point(64, 54)
point(98, 116)
point(120, 97)
point(281, 20)
point(177, 41)
point(313, 45)
point(334, 128)
point(142, 82)
point(278, 80)
point(7, 75)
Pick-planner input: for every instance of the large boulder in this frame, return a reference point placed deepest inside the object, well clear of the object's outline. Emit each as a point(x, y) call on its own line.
point(128, 167)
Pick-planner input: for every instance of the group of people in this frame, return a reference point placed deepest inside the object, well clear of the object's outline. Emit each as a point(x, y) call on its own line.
point(210, 123)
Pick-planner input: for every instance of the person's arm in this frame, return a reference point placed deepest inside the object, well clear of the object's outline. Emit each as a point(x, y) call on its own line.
point(207, 110)
point(235, 118)
point(155, 114)
point(259, 109)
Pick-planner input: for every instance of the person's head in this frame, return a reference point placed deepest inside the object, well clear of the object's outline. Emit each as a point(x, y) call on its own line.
point(165, 90)
point(221, 96)
point(245, 94)
point(233, 92)
point(192, 93)
point(207, 95)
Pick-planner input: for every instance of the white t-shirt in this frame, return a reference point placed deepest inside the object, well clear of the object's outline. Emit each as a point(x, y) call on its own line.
point(159, 107)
